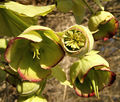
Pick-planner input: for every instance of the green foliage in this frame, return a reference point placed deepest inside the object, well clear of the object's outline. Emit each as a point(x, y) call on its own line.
point(15, 17)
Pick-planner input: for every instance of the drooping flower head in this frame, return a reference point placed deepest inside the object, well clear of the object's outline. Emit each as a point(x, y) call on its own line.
point(103, 25)
point(91, 74)
point(33, 51)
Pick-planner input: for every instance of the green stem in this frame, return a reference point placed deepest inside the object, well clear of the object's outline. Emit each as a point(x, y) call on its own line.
point(91, 10)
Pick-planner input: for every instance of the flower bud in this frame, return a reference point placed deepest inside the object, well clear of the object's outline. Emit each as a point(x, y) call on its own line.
point(91, 74)
point(103, 25)
point(77, 40)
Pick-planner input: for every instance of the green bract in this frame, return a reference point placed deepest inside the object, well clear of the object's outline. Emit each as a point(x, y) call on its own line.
point(33, 51)
point(103, 25)
point(77, 40)
point(91, 74)
point(15, 17)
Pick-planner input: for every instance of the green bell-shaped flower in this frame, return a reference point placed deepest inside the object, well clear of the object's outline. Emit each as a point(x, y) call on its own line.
point(34, 51)
point(91, 74)
point(103, 25)
point(77, 40)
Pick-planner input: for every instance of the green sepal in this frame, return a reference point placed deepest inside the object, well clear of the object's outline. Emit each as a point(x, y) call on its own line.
point(20, 58)
point(82, 66)
point(91, 74)
point(27, 88)
point(98, 18)
point(33, 50)
point(103, 25)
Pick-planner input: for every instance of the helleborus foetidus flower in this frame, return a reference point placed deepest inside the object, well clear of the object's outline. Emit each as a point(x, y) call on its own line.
point(103, 25)
point(32, 99)
point(91, 74)
point(29, 88)
point(33, 51)
point(77, 40)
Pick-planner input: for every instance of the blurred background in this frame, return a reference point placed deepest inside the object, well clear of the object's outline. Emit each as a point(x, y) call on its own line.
point(110, 50)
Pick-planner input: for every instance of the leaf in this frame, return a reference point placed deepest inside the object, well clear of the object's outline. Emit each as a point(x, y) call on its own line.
point(15, 17)
point(28, 10)
point(64, 5)
point(60, 75)
point(79, 12)
point(12, 24)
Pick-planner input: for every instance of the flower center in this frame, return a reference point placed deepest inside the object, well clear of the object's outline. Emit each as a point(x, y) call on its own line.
point(74, 40)
point(35, 49)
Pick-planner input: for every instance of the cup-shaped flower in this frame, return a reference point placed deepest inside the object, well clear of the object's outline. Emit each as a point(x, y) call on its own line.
point(77, 40)
point(103, 25)
point(91, 74)
point(34, 51)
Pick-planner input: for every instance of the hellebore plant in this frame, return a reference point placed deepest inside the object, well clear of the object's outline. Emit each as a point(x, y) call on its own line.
point(91, 74)
point(103, 25)
point(34, 51)
point(77, 40)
